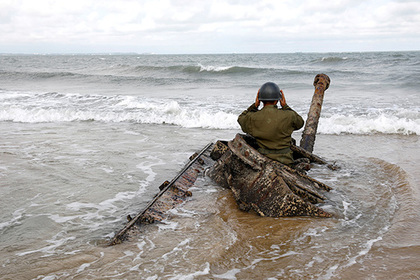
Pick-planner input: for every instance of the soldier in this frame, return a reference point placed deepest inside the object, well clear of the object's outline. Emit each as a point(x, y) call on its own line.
point(271, 127)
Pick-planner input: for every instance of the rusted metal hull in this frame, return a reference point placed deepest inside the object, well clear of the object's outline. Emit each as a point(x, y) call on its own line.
point(257, 182)
point(266, 186)
point(170, 196)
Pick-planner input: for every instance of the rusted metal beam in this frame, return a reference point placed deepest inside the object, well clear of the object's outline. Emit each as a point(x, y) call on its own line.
point(321, 83)
point(171, 194)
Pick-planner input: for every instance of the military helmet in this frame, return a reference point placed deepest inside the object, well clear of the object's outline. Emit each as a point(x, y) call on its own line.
point(269, 92)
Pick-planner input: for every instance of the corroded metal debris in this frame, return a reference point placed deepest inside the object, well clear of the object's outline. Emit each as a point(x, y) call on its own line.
point(266, 186)
point(257, 182)
point(171, 195)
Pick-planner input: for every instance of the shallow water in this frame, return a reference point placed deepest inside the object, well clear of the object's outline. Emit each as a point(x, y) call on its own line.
point(87, 140)
point(61, 206)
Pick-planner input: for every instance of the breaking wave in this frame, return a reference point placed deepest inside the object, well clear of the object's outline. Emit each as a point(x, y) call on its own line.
point(57, 107)
point(332, 59)
point(200, 68)
point(120, 72)
point(379, 124)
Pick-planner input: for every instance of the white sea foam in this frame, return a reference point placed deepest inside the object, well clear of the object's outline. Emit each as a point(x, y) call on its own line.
point(210, 68)
point(181, 246)
point(83, 267)
point(365, 248)
point(229, 274)
point(381, 123)
point(181, 212)
point(17, 215)
point(148, 161)
point(50, 277)
point(61, 220)
point(114, 109)
point(194, 275)
point(167, 225)
point(57, 241)
point(91, 214)
point(55, 107)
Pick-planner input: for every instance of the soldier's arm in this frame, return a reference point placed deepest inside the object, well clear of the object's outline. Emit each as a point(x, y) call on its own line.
point(243, 118)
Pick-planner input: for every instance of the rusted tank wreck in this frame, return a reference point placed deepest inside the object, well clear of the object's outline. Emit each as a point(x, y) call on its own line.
point(263, 185)
point(258, 183)
point(269, 187)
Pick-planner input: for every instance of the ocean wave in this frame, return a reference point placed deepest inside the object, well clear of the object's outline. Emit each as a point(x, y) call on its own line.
point(199, 68)
point(195, 69)
point(217, 68)
point(59, 107)
point(153, 74)
point(32, 75)
point(171, 114)
point(120, 71)
point(189, 69)
point(330, 59)
point(249, 70)
point(379, 124)
point(228, 69)
point(55, 107)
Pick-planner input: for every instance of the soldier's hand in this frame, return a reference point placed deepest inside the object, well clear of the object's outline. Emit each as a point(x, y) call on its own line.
point(282, 99)
point(257, 100)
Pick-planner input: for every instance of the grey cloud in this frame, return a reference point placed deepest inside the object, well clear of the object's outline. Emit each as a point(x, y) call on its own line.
point(191, 25)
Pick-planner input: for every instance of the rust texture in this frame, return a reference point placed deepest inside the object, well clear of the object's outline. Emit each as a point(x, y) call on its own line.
point(321, 83)
point(171, 195)
point(257, 182)
point(266, 186)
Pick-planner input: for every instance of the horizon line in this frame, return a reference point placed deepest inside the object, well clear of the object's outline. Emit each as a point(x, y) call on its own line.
point(215, 53)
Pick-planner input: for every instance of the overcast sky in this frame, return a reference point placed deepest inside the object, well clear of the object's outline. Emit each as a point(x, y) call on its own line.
point(208, 26)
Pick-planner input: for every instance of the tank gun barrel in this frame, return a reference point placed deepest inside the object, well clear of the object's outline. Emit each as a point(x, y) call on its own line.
point(321, 83)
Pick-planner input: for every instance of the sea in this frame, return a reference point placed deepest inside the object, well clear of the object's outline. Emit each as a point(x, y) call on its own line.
point(87, 139)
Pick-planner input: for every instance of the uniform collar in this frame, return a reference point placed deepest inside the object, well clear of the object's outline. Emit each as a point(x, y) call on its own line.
point(270, 106)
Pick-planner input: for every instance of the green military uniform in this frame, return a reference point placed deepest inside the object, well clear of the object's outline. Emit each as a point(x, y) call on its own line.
point(272, 128)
